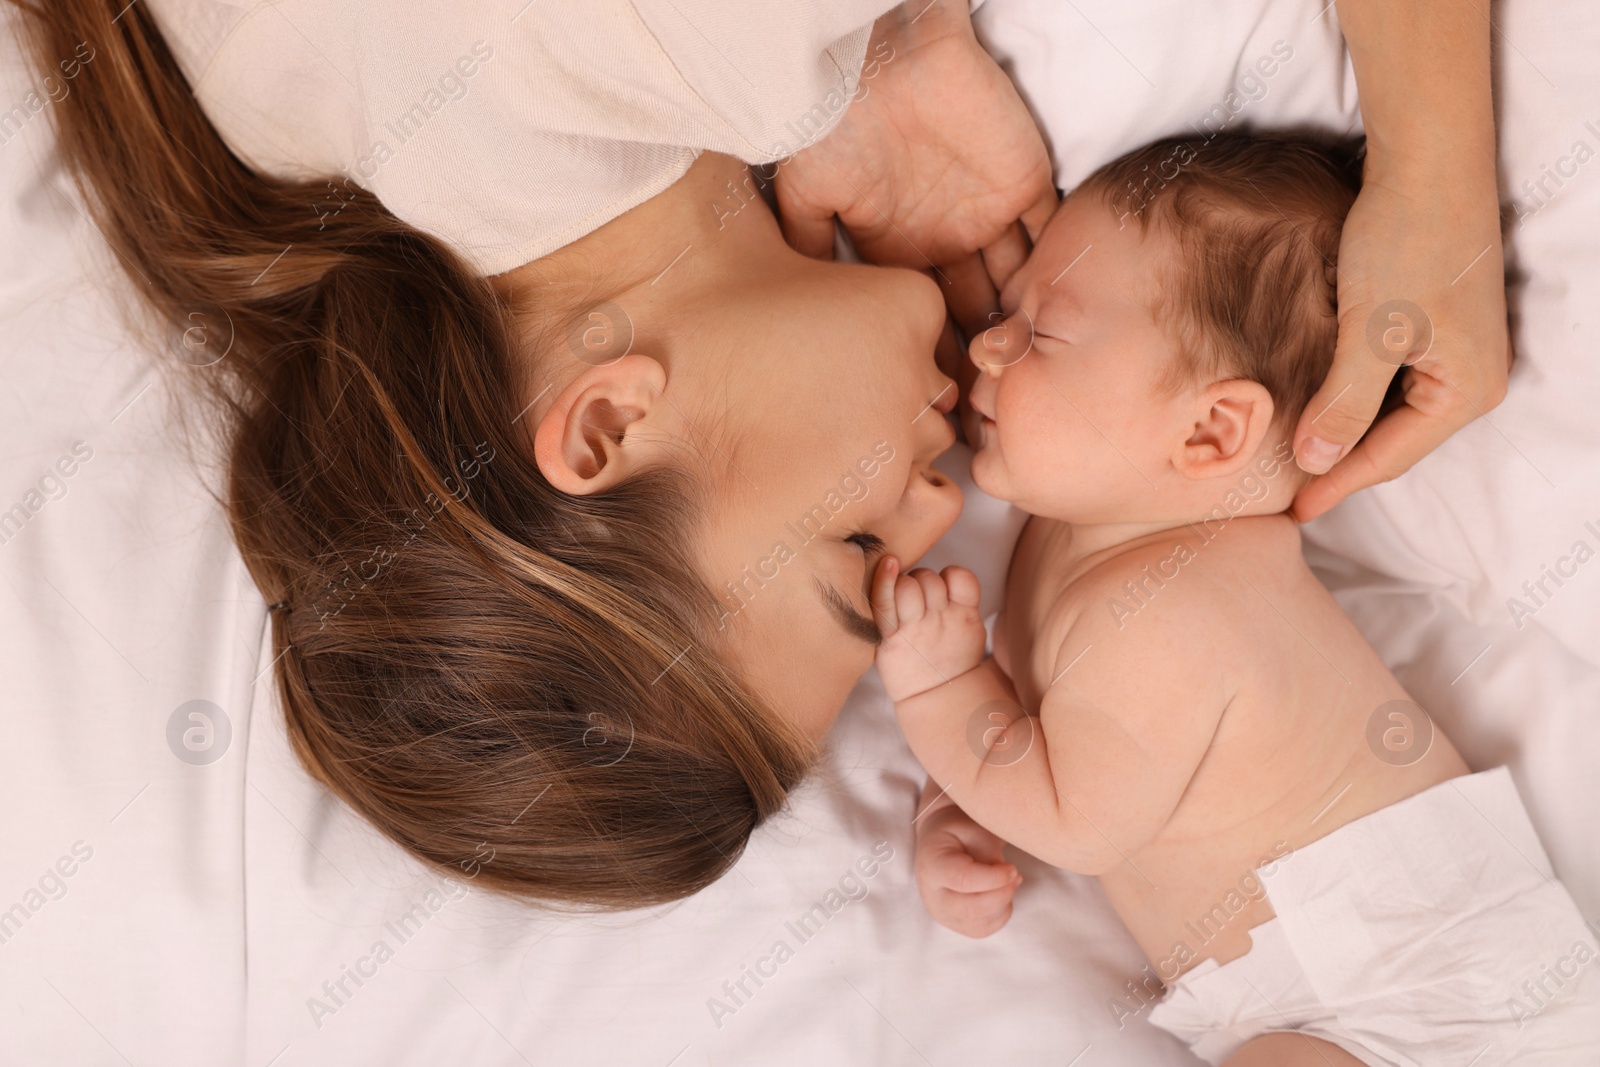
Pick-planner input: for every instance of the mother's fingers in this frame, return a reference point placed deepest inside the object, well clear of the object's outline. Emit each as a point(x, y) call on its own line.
point(1005, 255)
point(1001, 259)
point(973, 292)
point(1390, 448)
point(1345, 406)
point(969, 293)
point(1036, 214)
point(809, 233)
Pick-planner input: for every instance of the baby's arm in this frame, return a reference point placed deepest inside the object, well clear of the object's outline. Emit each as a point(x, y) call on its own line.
point(963, 877)
point(1098, 773)
point(961, 872)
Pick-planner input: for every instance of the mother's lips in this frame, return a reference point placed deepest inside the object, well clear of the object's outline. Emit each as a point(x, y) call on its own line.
point(947, 433)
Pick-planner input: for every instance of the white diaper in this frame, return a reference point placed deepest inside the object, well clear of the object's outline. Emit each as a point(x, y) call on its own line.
point(1430, 932)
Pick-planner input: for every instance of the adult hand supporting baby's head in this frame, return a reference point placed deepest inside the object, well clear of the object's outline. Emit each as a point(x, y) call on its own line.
point(936, 165)
point(1448, 338)
point(1421, 277)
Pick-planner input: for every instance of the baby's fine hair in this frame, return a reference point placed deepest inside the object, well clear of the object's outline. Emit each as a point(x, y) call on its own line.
point(1257, 220)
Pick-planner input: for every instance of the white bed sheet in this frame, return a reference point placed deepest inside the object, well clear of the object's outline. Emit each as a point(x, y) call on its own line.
point(216, 900)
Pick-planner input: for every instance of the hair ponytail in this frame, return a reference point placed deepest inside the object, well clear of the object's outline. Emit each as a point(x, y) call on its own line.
point(509, 682)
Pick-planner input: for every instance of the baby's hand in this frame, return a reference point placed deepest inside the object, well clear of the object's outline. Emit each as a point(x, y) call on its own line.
point(965, 883)
point(932, 632)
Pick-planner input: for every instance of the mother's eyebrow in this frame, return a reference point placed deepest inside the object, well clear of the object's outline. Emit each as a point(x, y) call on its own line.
point(854, 623)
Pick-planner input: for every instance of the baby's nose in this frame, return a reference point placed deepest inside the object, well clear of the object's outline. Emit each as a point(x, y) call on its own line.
point(1002, 344)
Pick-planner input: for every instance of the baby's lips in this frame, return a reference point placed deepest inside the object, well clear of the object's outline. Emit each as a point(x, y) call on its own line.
point(972, 403)
point(981, 424)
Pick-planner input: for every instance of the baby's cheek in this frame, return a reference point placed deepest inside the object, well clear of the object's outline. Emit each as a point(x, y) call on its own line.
point(1029, 426)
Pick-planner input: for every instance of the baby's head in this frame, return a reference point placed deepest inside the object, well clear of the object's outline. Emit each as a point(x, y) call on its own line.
point(1163, 338)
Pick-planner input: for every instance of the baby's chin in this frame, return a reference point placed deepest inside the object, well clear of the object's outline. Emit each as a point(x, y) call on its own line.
point(988, 473)
point(994, 476)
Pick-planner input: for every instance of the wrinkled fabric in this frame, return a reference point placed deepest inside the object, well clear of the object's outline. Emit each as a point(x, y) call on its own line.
point(1431, 931)
point(511, 128)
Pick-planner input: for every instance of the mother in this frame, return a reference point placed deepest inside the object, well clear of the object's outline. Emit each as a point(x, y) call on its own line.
point(568, 561)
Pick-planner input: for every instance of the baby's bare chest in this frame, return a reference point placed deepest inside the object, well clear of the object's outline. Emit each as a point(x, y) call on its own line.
point(1290, 663)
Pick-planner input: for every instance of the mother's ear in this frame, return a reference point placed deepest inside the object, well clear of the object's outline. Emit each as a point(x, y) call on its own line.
point(604, 427)
point(1231, 418)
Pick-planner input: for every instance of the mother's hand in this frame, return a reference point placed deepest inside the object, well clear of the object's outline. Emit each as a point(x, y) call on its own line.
point(933, 165)
point(1414, 297)
point(1421, 279)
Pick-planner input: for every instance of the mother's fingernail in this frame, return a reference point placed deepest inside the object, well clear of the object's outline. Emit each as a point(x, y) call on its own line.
point(1316, 456)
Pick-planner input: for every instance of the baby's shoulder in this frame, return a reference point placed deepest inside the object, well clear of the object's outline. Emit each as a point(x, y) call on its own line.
point(1137, 639)
point(1177, 590)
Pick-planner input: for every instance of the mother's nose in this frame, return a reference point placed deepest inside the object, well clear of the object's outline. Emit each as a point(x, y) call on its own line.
point(924, 303)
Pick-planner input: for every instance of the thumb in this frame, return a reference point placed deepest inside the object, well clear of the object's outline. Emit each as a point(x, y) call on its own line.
point(807, 227)
point(1038, 213)
point(1340, 412)
point(969, 294)
point(809, 235)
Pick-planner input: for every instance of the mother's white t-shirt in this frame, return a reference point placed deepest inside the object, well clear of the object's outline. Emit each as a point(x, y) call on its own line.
point(509, 128)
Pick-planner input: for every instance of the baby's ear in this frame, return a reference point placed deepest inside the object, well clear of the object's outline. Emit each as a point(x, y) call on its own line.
point(1230, 419)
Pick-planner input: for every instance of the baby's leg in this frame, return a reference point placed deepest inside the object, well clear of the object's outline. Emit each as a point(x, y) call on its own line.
point(1291, 1050)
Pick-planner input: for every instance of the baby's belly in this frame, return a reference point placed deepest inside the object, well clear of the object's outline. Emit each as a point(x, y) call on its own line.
point(1194, 892)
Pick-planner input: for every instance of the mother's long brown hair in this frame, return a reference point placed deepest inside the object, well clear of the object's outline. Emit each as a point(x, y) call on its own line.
point(506, 680)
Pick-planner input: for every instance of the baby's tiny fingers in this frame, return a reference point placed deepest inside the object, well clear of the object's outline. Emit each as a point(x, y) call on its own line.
point(975, 914)
point(933, 593)
point(908, 600)
point(963, 874)
point(883, 583)
point(963, 586)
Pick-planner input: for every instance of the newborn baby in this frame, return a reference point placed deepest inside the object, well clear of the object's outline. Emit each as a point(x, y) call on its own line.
point(1287, 837)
